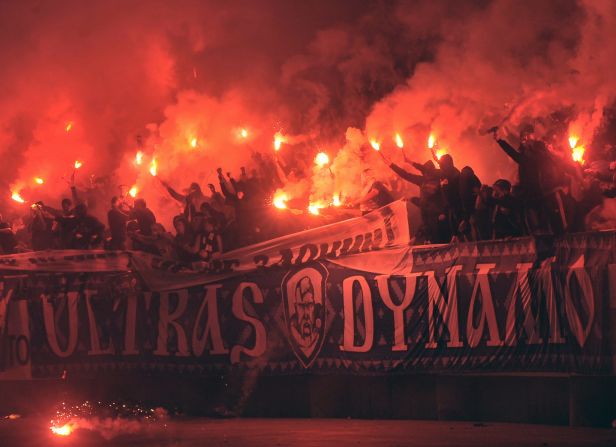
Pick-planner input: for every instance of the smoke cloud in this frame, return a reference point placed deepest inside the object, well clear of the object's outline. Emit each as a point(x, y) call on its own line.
point(198, 85)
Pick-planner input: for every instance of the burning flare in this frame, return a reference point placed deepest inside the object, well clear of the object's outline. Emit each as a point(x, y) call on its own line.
point(77, 164)
point(64, 430)
point(577, 152)
point(244, 133)
point(69, 126)
point(375, 145)
point(133, 191)
point(431, 141)
point(440, 152)
point(321, 159)
point(336, 200)
point(38, 180)
point(399, 141)
point(139, 158)
point(280, 200)
point(17, 197)
point(194, 143)
point(278, 140)
point(153, 167)
point(313, 208)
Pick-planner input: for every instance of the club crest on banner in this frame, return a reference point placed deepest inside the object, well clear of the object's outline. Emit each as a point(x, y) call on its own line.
point(304, 295)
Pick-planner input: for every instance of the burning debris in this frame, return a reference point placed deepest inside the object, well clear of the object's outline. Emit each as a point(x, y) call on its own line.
point(108, 419)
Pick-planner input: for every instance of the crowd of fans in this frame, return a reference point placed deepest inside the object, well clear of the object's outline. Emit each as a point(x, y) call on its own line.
point(553, 195)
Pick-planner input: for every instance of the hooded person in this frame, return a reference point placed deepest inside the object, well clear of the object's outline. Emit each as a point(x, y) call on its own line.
point(430, 201)
point(192, 200)
point(537, 176)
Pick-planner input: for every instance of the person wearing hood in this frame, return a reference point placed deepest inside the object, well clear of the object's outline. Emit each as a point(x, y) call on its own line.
point(431, 205)
point(192, 200)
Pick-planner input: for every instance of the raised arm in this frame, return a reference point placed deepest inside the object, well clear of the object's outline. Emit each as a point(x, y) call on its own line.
point(509, 150)
point(409, 177)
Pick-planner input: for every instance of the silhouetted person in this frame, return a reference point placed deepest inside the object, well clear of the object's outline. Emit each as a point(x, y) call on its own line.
point(117, 217)
point(8, 242)
point(505, 211)
point(88, 232)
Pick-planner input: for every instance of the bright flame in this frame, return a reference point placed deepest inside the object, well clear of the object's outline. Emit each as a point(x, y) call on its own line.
point(133, 191)
point(139, 158)
point(431, 141)
point(321, 159)
point(77, 164)
point(440, 153)
point(280, 200)
point(577, 153)
point(64, 430)
point(17, 197)
point(375, 145)
point(336, 200)
point(69, 126)
point(573, 141)
point(38, 180)
point(154, 167)
point(313, 208)
point(399, 141)
point(243, 133)
point(193, 143)
point(278, 140)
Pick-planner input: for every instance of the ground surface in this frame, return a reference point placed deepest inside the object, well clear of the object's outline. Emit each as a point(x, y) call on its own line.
point(301, 433)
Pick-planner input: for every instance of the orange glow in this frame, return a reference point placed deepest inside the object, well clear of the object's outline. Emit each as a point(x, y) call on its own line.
point(440, 153)
point(280, 200)
point(321, 159)
point(399, 141)
point(577, 153)
point(431, 141)
point(139, 158)
point(278, 140)
point(243, 133)
point(64, 430)
point(38, 180)
point(77, 164)
point(193, 143)
point(336, 200)
point(69, 126)
point(133, 191)
point(313, 208)
point(153, 167)
point(17, 197)
point(375, 145)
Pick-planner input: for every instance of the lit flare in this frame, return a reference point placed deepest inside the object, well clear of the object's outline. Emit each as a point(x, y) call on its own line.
point(577, 152)
point(39, 180)
point(321, 159)
point(133, 191)
point(431, 141)
point(17, 197)
point(69, 126)
point(440, 152)
point(280, 200)
point(375, 145)
point(153, 167)
point(63, 430)
point(278, 140)
point(399, 141)
point(194, 143)
point(313, 208)
point(78, 164)
point(139, 158)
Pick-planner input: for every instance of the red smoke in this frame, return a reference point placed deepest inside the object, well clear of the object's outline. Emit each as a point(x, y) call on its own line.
point(82, 80)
